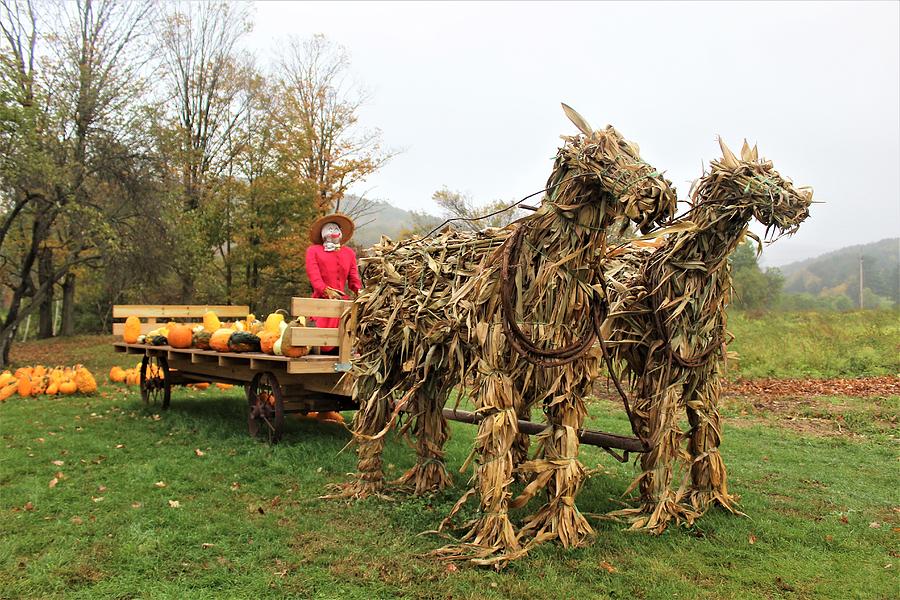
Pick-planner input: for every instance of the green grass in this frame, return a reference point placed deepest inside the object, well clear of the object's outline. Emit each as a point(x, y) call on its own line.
point(825, 344)
point(810, 501)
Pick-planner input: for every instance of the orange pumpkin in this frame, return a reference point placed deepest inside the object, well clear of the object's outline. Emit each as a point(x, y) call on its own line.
point(180, 336)
point(52, 389)
point(267, 341)
point(9, 390)
point(68, 387)
point(132, 330)
point(219, 339)
point(24, 386)
point(117, 374)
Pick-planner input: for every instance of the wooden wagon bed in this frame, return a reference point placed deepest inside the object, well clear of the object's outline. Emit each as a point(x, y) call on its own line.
point(275, 385)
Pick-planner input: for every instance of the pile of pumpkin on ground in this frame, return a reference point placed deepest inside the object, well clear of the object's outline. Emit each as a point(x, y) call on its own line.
point(51, 381)
point(249, 335)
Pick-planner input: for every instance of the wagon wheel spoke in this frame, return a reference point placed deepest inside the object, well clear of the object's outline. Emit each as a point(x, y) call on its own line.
point(266, 410)
point(155, 381)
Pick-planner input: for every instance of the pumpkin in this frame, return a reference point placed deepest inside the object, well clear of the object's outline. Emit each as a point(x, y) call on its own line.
point(331, 416)
point(202, 385)
point(85, 381)
point(201, 339)
point(242, 341)
point(24, 388)
point(5, 378)
point(52, 388)
point(224, 386)
point(219, 339)
point(267, 341)
point(132, 330)
point(285, 342)
point(68, 387)
point(117, 374)
point(180, 336)
point(9, 390)
point(38, 385)
point(211, 321)
point(40, 371)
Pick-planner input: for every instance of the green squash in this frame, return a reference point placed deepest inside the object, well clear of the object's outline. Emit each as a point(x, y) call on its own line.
point(201, 339)
point(243, 341)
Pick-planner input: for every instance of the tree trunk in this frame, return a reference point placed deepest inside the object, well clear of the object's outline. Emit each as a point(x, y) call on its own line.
point(45, 273)
point(67, 328)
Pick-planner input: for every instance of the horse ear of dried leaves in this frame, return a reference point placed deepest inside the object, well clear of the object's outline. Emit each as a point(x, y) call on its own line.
point(431, 320)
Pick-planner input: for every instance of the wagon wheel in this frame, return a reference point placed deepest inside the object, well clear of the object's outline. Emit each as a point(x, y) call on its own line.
point(155, 381)
point(266, 416)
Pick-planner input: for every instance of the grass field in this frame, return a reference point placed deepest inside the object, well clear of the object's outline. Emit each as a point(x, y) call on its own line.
point(822, 504)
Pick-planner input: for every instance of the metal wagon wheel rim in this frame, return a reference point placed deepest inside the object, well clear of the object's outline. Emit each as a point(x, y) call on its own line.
point(155, 382)
point(266, 408)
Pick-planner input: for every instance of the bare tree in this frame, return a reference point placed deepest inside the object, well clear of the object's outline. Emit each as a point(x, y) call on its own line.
point(320, 120)
point(467, 214)
point(61, 116)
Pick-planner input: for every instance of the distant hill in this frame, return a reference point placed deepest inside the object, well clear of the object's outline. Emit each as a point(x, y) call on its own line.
point(378, 217)
point(837, 273)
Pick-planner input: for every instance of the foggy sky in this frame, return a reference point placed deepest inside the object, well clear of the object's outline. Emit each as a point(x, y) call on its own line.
point(471, 93)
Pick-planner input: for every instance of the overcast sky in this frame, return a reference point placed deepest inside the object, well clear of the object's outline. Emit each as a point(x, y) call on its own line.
point(471, 93)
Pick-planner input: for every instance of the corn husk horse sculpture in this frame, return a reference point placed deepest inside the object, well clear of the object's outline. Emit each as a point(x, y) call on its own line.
point(513, 316)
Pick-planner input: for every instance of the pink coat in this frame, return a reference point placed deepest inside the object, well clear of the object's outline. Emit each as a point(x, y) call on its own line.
point(331, 269)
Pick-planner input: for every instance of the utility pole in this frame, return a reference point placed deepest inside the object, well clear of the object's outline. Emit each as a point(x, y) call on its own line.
point(860, 281)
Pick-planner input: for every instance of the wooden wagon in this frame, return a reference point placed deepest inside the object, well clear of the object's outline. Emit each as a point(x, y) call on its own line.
point(278, 385)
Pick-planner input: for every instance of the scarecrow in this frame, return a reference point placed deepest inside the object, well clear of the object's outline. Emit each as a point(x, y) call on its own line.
point(330, 265)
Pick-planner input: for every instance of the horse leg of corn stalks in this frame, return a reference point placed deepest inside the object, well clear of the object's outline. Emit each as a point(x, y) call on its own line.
point(522, 443)
point(558, 470)
point(491, 539)
point(708, 474)
point(656, 412)
point(369, 429)
point(431, 432)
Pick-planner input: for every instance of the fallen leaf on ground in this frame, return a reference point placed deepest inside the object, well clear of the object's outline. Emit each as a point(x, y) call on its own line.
point(174, 504)
point(135, 505)
point(53, 482)
point(29, 506)
point(199, 452)
point(101, 488)
point(120, 446)
point(97, 499)
point(59, 463)
point(206, 545)
point(609, 568)
point(160, 484)
point(77, 520)
point(235, 485)
point(451, 568)
point(752, 539)
point(874, 525)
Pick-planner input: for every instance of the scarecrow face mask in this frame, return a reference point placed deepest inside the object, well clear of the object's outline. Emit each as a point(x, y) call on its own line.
point(331, 235)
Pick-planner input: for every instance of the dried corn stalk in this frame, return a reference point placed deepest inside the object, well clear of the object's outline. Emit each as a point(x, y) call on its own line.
point(430, 319)
point(667, 328)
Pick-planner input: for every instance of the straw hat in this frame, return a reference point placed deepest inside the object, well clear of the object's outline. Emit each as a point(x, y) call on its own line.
point(343, 221)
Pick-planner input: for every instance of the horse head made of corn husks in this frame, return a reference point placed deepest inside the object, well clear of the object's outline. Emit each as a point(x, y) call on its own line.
point(602, 169)
point(750, 187)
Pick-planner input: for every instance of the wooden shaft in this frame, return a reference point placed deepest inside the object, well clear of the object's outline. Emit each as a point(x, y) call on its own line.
point(585, 436)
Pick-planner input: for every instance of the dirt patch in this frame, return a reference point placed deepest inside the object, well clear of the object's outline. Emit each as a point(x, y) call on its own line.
point(58, 351)
point(807, 406)
point(865, 387)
